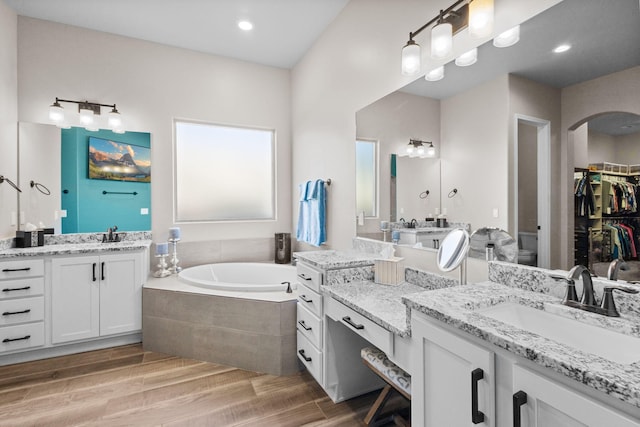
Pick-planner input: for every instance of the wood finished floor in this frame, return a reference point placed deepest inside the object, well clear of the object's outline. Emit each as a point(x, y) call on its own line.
point(126, 386)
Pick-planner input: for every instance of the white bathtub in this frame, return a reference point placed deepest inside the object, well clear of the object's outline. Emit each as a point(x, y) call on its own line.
point(241, 276)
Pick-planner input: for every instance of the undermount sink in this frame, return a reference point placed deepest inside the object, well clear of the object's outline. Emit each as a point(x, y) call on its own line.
point(588, 338)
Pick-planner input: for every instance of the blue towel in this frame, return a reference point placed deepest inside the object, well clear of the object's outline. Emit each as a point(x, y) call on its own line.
point(312, 213)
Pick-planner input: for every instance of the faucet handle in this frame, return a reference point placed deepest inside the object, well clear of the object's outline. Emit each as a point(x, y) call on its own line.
point(608, 306)
point(571, 294)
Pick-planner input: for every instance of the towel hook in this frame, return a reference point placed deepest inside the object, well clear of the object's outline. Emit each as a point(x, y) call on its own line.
point(453, 192)
point(424, 194)
point(328, 181)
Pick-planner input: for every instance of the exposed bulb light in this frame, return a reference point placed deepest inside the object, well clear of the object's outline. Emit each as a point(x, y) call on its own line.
point(420, 151)
point(508, 38)
point(56, 112)
point(480, 18)
point(410, 148)
point(467, 58)
point(441, 40)
point(411, 58)
point(115, 120)
point(86, 116)
point(245, 25)
point(431, 151)
point(562, 48)
point(435, 74)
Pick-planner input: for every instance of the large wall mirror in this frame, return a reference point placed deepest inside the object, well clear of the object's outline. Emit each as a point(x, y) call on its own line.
point(482, 116)
point(78, 181)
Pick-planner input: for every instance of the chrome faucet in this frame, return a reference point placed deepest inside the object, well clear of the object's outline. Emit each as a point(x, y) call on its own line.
point(615, 266)
point(111, 235)
point(588, 296)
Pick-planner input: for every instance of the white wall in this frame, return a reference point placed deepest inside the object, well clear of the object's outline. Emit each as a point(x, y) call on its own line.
point(627, 151)
point(8, 116)
point(392, 121)
point(614, 92)
point(152, 84)
point(601, 148)
point(354, 62)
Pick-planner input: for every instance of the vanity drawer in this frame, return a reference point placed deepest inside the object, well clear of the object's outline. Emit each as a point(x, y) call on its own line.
point(310, 326)
point(21, 310)
point(309, 276)
point(18, 268)
point(21, 288)
point(310, 299)
point(310, 356)
point(21, 336)
point(370, 331)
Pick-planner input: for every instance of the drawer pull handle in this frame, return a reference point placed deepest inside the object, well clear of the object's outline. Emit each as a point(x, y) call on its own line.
point(304, 325)
point(477, 417)
point(348, 320)
point(102, 272)
point(304, 298)
point(303, 277)
point(94, 272)
point(10, 313)
point(26, 288)
point(11, 270)
point(304, 356)
point(519, 399)
point(26, 337)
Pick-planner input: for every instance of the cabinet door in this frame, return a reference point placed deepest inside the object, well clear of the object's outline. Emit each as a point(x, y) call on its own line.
point(453, 380)
point(541, 402)
point(75, 298)
point(120, 293)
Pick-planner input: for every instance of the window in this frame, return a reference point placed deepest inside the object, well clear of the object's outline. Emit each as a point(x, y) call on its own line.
point(224, 173)
point(366, 177)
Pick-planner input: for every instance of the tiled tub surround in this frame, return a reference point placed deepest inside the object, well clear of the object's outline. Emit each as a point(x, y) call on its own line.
point(251, 330)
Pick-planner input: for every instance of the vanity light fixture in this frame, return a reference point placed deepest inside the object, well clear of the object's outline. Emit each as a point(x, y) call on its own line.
point(418, 147)
point(88, 115)
point(476, 15)
point(435, 74)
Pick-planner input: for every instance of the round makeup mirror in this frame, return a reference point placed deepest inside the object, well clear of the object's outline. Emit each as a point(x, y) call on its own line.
point(453, 249)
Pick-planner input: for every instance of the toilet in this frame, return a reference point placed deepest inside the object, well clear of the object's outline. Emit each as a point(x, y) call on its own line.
point(527, 248)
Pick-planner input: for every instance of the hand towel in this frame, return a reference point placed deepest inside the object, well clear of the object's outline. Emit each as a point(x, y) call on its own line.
point(312, 213)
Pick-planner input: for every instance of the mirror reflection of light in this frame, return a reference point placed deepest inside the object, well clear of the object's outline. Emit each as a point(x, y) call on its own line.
point(562, 48)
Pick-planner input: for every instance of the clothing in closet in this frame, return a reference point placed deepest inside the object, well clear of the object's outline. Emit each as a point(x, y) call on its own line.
point(585, 203)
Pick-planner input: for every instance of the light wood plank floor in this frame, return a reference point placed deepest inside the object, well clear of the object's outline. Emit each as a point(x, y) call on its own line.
point(126, 386)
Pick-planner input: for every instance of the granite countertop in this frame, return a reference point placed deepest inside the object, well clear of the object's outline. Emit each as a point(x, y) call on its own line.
point(379, 303)
point(74, 248)
point(328, 260)
point(456, 307)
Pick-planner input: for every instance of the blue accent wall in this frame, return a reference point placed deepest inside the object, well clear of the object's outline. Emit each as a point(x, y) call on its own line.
point(88, 210)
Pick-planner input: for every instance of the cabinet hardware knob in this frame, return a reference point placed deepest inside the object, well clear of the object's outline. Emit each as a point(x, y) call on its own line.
point(350, 322)
point(477, 416)
point(305, 357)
point(519, 399)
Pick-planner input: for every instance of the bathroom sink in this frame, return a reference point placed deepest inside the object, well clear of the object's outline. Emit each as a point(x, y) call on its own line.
point(588, 338)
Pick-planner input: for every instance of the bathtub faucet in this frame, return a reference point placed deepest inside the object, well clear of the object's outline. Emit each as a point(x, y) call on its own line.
point(289, 291)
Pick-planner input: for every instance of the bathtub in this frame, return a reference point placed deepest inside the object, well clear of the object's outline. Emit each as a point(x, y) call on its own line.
point(234, 314)
point(241, 276)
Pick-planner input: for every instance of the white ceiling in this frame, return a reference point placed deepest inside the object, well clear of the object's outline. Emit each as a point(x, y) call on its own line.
point(283, 29)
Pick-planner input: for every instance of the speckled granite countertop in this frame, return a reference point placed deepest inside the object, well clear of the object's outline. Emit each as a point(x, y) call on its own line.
point(457, 307)
point(328, 260)
point(381, 304)
point(74, 248)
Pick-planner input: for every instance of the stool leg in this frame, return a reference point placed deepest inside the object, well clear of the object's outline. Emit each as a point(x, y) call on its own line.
point(378, 404)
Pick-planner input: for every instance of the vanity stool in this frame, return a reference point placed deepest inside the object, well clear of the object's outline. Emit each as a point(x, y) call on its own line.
point(396, 379)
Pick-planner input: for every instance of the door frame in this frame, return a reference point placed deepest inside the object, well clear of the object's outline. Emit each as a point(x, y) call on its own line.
point(544, 184)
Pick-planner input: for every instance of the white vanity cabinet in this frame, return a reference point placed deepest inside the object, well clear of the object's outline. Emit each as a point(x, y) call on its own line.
point(452, 381)
point(95, 296)
point(540, 402)
point(22, 309)
point(456, 378)
point(310, 320)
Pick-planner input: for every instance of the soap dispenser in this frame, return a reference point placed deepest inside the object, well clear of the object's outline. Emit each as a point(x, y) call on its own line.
point(442, 219)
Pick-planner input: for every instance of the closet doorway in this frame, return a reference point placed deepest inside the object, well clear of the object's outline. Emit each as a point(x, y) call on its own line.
point(532, 177)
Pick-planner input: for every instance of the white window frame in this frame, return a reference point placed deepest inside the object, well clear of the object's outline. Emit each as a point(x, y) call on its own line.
point(376, 171)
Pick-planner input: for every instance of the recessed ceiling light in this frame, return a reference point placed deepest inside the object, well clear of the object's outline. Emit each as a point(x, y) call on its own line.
point(245, 25)
point(562, 48)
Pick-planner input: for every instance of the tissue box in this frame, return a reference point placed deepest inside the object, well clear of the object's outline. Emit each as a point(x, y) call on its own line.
point(389, 271)
point(29, 239)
